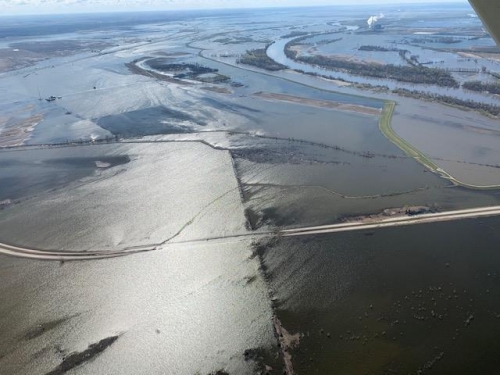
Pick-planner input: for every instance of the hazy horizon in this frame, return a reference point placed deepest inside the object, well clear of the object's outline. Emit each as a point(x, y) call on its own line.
point(33, 7)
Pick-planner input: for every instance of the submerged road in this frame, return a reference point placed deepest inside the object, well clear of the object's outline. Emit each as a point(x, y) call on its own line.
point(369, 224)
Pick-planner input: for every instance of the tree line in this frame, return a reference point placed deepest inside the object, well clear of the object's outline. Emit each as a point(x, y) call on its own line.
point(410, 74)
point(492, 88)
point(493, 110)
point(259, 58)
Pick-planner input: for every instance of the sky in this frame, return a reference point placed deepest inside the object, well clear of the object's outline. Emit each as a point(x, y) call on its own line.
point(76, 6)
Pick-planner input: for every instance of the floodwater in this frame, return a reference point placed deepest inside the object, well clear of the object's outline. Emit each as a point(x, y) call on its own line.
point(189, 309)
point(276, 52)
point(316, 202)
point(28, 173)
point(150, 121)
point(403, 300)
point(165, 191)
point(353, 175)
point(417, 45)
point(192, 166)
point(462, 143)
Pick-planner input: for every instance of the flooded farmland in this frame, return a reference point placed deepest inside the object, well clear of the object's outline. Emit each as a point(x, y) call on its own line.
point(147, 147)
point(410, 300)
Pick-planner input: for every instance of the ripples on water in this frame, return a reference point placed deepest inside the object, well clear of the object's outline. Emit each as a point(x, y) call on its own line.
point(406, 299)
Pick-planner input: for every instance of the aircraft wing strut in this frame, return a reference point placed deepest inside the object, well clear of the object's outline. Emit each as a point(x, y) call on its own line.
point(489, 11)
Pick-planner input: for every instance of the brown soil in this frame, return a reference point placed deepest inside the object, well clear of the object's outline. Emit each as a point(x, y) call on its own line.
point(219, 90)
point(15, 134)
point(320, 103)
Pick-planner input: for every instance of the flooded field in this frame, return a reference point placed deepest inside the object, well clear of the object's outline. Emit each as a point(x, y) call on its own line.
point(29, 173)
point(169, 318)
point(463, 144)
point(119, 206)
point(152, 134)
point(410, 300)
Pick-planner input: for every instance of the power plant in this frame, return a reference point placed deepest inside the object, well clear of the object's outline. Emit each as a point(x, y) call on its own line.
point(374, 22)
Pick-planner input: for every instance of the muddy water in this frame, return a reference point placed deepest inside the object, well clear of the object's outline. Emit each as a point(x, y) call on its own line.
point(402, 300)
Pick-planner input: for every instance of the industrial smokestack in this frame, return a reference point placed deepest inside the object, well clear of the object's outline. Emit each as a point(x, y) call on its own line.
point(373, 20)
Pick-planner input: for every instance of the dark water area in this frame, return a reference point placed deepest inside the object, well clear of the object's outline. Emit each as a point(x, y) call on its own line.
point(404, 300)
point(342, 173)
point(28, 173)
point(231, 106)
point(296, 206)
point(149, 121)
point(289, 183)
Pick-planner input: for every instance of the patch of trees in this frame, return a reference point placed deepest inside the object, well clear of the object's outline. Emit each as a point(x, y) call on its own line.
point(237, 40)
point(298, 41)
point(410, 74)
point(493, 110)
point(289, 52)
point(259, 58)
point(216, 78)
point(328, 41)
point(295, 33)
point(363, 86)
point(134, 68)
point(295, 42)
point(412, 60)
point(403, 53)
point(192, 69)
point(377, 49)
point(492, 88)
point(443, 40)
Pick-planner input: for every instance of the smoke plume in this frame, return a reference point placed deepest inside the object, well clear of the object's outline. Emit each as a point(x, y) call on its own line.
point(373, 20)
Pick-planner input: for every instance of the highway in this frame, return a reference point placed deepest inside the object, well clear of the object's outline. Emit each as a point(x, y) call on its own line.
point(64, 255)
point(369, 224)
point(395, 222)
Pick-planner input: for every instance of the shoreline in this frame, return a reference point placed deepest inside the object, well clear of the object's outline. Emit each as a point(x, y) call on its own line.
point(16, 135)
point(327, 104)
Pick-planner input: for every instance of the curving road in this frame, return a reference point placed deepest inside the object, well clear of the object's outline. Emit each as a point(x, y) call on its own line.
point(371, 224)
point(62, 256)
